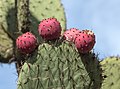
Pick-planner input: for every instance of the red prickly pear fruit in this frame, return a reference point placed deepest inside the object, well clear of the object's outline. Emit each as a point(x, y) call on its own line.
point(26, 43)
point(85, 41)
point(71, 34)
point(49, 29)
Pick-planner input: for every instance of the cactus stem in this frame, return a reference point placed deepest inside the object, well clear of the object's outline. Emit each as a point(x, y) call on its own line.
point(23, 15)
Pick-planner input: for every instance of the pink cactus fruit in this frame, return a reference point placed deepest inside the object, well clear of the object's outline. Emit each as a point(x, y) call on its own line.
point(49, 29)
point(85, 41)
point(26, 43)
point(71, 34)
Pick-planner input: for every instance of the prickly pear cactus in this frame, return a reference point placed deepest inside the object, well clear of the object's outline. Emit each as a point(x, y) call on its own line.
point(56, 67)
point(111, 73)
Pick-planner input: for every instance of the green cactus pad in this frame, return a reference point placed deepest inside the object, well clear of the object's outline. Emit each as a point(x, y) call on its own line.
point(55, 67)
point(7, 29)
point(7, 16)
point(111, 73)
point(6, 47)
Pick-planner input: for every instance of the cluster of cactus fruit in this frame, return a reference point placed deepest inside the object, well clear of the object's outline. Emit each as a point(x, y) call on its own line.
point(50, 29)
point(47, 55)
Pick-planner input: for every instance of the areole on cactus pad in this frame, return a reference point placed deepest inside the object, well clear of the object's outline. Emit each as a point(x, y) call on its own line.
point(26, 43)
point(50, 29)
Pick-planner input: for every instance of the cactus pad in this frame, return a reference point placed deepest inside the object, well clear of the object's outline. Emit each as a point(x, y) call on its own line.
point(6, 47)
point(7, 29)
point(7, 16)
point(111, 73)
point(55, 67)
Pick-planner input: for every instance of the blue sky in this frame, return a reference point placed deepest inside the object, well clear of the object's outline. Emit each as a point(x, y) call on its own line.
point(101, 16)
